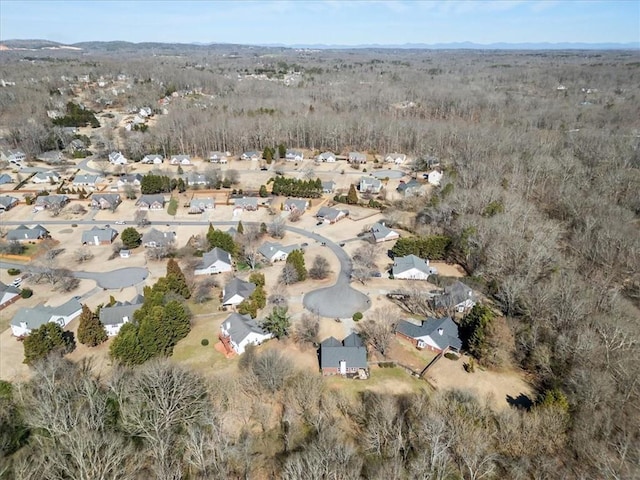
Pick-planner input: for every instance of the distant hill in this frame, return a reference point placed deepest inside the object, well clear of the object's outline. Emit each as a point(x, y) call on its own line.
point(29, 44)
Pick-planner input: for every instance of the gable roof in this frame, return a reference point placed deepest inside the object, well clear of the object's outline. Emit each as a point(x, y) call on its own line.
point(150, 199)
point(45, 176)
point(4, 288)
point(4, 178)
point(330, 213)
point(86, 178)
point(431, 327)
point(240, 326)
point(115, 314)
point(213, 256)
point(402, 264)
point(158, 237)
point(37, 316)
point(110, 198)
point(201, 202)
point(51, 200)
point(7, 201)
point(370, 182)
point(104, 234)
point(411, 184)
point(380, 230)
point(454, 295)
point(269, 249)
point(237, 287)
point(328, 185)
point(299, 204)
point(351, 350)
point(23, 232)
point(246, 202)
point(357, 156)
point(326, 155)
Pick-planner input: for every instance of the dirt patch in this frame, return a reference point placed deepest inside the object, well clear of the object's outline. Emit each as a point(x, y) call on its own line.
point(401, 351)
point(449, 269)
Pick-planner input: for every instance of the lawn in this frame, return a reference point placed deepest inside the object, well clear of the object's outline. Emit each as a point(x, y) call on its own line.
point(382, 380)
point(172, 209)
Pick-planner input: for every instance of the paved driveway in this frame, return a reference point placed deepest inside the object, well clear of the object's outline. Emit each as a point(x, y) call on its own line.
point(116, 279)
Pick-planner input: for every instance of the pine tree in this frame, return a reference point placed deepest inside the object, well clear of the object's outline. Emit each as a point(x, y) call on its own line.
point(176, 280)
point(240, 228)
point(90, 331)
point(220, 239)
point(296, 258)
point(352, 196)
point(42, 341)
point(277, 322)
point(263, 191)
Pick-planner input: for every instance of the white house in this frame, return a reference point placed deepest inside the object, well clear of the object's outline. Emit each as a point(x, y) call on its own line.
point(326, 157)
point(435, 334)
point(13, 156)
point(115, 316)
point(153, 159)
point(45, 177)
point(251, 156)
point(382, 233)
point(116, 158)
point(293, 156)
point(236, 291)
point(180, 160)
point(238, 331)
point(219, 157)
point(370, 185)
point(411, 267)
point(86, 180)
point(458, 296)
point(357, 158)
point(214, 261)
point(434, 177)
point(27, 319)
point(275, 252)
point(396, 158)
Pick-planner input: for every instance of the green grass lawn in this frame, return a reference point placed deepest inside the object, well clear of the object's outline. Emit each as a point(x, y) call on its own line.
point(392, 380)
point(172, 209)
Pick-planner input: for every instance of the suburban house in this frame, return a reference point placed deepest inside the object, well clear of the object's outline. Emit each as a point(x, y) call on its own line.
point(411, 267)
point(87, 180)
point(457, 296)
point(46, 177)
point(397, 158)
point(155, 238)
point(199, 205)
point(7, 202)
point(275, 252)
point(133, 179)
point(410, 188)
point(8, 295)
point(328, 187)
point(51, 201)
point(153, 158)
point(22, 233)
point(116, 158)
point(357, 158)
point(331, 215)
point(12, 156)
point(382, 233)
point(236, 291)
point(99, 236)
point(4, 178)
point(115, 316)
point(150, 202)
point(370, 185)
point(297, 204)
point(435, 334)
point(27, 319)
point(50, 157)
point(180, 160)
point(238, 331)
point(105, 201)
point(195, 178)
point(219, 157)
point(347, 358)
point(251, 156)
point(214, 261)
point(434, 177)
point(293, 156)
point(328, 157)
point(76, 146)
point(246, 203)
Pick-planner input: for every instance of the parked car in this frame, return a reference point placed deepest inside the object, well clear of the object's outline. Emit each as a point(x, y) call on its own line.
point(119, 222)
point(319, 224)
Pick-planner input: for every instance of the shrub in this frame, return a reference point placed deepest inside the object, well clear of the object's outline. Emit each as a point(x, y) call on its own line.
point(74, 225)
point(14, 271)
point(357, 316)
point(451, 356)
point(26, 293)
point(204, 342)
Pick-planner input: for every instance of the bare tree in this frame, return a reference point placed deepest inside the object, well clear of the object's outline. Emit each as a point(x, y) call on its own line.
point(378, 328)
point(232, 176)
point(271, 370)
point(203, 290)
point(364, 265)
point(307, 329)
point(83, 254)
point(288, 275)
point(295, 216)
point(276, 228)
point(77, 209)
point(129, 192)
point(279, 296)
point(141, 218)
point(320, 268)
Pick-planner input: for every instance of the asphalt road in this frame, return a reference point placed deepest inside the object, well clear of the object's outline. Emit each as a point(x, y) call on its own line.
point(338, 301)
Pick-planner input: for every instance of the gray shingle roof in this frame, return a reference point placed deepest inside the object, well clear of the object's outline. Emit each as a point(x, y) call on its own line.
point(86, 178)
point(4, 288)
point(299, 204)
point(431, 328)
point(4, 178)
point(240, 326)
point(109, 198)
point(402, 264)
point(330, 213)
point(213, 256)
point(380, 231)
point(150, 199)
point(454, 295)
point(245, 202)
point(104, 234)
point(115, 314)
point(37, 316)
point(269, 249)
point(237, 287)
point(351, 350)
point(159, 238)
point(25, 233)
point(52, 200)
point(7, 202)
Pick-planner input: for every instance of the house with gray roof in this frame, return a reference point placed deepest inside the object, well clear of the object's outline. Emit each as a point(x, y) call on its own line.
point(195, 178)
point(296, 204)
point(370, 185)
point(45, 177)
point(50, 201)
point(99, 236)
point(116, 158)
point(27, 319)
point(326, 157)
point(7, 202)
point(253, 155)
point(293, 156)
point(216, 260)
point(275, 252)
point(153, 158)
point(410, 188)
point(219, 157)
point(150, 202)
point(133, 179)
point(155, 238)
point(105, 201)
point(235, 291)
point(411, 267)
point(246, 203)
point(86, 180)
point(13, 156)
point(458, 297)
point(4, 178)
point(397, 158)
point(22, 233)
point(328, 186)
point(115, 316)
point(51, 157)
point(76, 145)
point(8, 295)
point(180, 160)
point(199, 205)
point(435, 334)
point(357, 158)
point(331, 215)
point(238, 331)
point(344, 358)
point(382, 233)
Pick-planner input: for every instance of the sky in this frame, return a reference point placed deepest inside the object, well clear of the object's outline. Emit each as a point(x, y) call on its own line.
point(334, 22)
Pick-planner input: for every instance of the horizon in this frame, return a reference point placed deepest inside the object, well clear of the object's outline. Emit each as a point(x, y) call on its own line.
point(383, 23)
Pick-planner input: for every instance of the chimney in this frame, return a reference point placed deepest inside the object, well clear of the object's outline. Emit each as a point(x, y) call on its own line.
point(440, 331)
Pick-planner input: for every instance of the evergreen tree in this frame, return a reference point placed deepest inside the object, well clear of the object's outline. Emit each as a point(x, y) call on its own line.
point(277, 322)
point(176, 281)
point(130, 237)
point(126, 347)
point(90, 331)
point(220, 239)
point(475, 331)
point(263, 191)
point(282, 150)
point(263, 228)
point(257, 279)
point(46, 339)
point(296, 258)
point(267, 154)
point(240, 228)
point(352, 196)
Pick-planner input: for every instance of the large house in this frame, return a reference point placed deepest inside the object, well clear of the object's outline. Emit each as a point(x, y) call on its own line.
point(7, 202)
point(357, 158)
point(150, 202)
point(411, 267)
point(4, 178)
point(328, 186)
point(347, 358)
point(153, 158)
point(328, 157)
point(238, 331)
point(236, 291)
point(397, 158)
point(50, 201)
point(246, 203)
point(156, 239)
point(457, 296)
point(116, 158)
point(296, 204)
point(105, 201)
point(434, 177)
point(27, 319)
point(199, 205)
point(216, 260)
point(219, 157)
point(195, 178)
point(86, 180)
point(51, 157)
point(99, 236)
point(382, 233)
point(22, 233)
point(331, 215)
point(46, 177)
point(134, 180)
point(115, 316)
point(293, 156)
point(13, 156)
point(410, 188)
point(180, 160)
point(436, 334)
point(370, 185)
point(8, 295)
point(251, 156)
point(275, 252)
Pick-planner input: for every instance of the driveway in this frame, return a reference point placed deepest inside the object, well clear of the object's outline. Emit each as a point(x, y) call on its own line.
point(116, 279)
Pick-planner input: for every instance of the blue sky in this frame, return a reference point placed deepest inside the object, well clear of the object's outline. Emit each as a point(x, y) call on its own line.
point(327, 22)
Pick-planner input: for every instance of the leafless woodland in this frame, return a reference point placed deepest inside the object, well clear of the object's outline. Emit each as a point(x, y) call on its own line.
point(560, 258)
